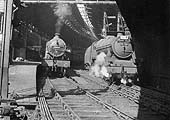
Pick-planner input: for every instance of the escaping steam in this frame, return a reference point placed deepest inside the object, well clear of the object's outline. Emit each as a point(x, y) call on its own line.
point(62, 11)
point(99, 69)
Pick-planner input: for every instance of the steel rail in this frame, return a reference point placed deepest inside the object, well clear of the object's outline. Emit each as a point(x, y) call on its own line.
point(115, 90)
point(150, 91)
point(108, 106)
point(69, 2)
point(42, 109)
point(111, 108)
point(45, 112)
point(138, 98)
point(66, 107)
point(151, 98)
point(144, 99)
point(47, 109)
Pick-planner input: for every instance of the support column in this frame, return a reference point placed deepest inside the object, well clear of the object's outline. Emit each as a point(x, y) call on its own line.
point(4, 65)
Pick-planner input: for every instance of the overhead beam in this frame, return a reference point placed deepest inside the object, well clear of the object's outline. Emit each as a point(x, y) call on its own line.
point(69, 2)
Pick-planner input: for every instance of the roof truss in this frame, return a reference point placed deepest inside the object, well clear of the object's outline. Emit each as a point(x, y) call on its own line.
point(70, 1)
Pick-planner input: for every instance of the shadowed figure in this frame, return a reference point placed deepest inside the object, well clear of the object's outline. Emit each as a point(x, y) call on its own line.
point(41, 75)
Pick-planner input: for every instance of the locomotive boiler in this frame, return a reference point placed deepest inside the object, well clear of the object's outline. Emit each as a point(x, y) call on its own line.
point(120, 57)
point(56, 56)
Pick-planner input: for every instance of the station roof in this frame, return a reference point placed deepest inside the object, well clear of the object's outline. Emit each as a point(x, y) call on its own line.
point(72, 1)
point(84, 24)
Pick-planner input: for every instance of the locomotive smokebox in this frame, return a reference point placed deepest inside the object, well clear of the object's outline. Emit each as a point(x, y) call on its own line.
point(56, 47)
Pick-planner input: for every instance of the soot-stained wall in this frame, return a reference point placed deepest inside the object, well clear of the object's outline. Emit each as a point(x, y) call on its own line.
point(149, 23)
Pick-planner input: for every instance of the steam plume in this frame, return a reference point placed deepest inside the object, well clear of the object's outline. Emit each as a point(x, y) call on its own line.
point(99, 69)
point(62, 11)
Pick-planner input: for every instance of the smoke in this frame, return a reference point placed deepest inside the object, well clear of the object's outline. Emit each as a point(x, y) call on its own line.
point(99, 69)
point(123, 81)
point(62, 11)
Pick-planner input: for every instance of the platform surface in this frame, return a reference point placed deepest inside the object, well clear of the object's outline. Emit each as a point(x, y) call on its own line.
point(22, 79)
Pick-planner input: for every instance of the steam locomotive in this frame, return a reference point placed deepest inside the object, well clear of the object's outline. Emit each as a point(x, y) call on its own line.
point(56, 56)
point(120, 57)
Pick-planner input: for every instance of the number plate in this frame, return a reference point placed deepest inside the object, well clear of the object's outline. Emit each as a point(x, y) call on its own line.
point(62, 63)
point(58, 63)
point(124, 37)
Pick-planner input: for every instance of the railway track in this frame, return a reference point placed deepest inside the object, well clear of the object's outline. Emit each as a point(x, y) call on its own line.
point(154, 100)
point(113, 109)
point(81, 97)
point(122, 104)
point(54, 108)
point(76, 103)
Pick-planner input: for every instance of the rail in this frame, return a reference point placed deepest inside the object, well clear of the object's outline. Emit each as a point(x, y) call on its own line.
point(45, 112)
point(113, 109)
point(66, 107)
point(140, 95)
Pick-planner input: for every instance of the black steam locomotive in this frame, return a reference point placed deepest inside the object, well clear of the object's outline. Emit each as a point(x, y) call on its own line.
point(56, 58)
point(120, 57)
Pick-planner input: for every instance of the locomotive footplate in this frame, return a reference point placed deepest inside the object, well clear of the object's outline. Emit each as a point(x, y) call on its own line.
point(58, 63)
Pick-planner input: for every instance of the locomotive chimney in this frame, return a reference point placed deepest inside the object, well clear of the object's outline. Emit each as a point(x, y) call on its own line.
point(57, 34)
point(62, 12)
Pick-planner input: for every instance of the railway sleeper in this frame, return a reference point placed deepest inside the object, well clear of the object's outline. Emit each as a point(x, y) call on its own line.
point(144, 99)
point(149, 98)
point(68, 106)
point(154, 102)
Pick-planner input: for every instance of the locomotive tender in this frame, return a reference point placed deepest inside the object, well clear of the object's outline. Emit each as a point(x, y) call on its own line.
point(56, 58)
